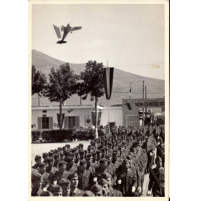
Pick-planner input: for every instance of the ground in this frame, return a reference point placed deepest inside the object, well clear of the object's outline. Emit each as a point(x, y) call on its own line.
point(39, 148)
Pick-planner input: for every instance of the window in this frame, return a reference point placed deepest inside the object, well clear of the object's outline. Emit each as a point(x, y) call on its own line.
point(45, 122)
point(132, 120)
point(71, 122)
point(44, 111)
point(111, 124)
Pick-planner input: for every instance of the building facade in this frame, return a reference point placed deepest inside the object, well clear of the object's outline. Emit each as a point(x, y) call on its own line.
point(45, 118)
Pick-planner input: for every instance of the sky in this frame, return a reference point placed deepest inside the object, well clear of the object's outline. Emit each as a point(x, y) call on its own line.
point(129, 37)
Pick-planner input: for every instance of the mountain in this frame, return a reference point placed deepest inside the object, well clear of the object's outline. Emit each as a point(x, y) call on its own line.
point(121, 83)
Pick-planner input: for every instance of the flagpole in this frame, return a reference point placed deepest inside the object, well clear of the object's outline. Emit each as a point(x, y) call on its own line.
point(108, 118)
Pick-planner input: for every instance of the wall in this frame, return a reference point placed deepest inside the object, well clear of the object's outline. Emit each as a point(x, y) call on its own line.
point(52, 112)
point(134, 105)
point(115, 115)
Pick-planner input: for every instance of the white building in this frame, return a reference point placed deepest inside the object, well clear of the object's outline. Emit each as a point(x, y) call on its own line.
point(45, 118)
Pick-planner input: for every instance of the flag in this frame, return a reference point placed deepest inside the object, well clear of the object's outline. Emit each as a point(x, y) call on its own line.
point(108, 81)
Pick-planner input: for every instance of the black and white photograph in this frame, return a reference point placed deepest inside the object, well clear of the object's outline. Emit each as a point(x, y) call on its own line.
point(99, 115)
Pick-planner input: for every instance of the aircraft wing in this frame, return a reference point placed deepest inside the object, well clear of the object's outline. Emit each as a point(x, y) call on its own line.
point(57, 31)
point(75, 28)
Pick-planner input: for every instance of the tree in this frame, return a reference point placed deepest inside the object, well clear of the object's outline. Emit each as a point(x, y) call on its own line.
point(92, 84)
point(38, 81)
point(61, 86)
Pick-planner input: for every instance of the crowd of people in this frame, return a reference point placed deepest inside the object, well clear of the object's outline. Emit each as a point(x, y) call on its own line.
point(111, 166)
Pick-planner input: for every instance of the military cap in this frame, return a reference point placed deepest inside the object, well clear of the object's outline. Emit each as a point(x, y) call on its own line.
point(83, 161)
point(94, 153)
point(114, 153)
point(45, 154)
point(50, 153)
point(96, 188)
point(88, 194)
point(61, 163)
point(56, 188)
point(158, 159)
point(56, 155)
point(81, 151)
point(42, 165)
point(108, 156)
point(73, 175)
point(49, 159)
point(46, 193)
point(102, 182)
point(66, 153)
point(106, 175)
point(103, 160)
point(67, 145)
point(69, 159)
point(64, 182)
point(59, 148)
point(81, 145)
point(72, 154)
point(92, 142)
point(37, 157)
point(88, 155)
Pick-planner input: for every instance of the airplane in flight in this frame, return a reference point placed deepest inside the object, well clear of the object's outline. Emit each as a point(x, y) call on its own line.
point(66, 30)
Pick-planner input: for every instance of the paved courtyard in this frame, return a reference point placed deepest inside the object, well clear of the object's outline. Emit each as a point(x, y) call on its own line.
point(39, 148)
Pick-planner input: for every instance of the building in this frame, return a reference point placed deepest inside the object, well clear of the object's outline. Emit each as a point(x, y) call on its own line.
point(45, 118)
point(132, 109)
point(128, 113)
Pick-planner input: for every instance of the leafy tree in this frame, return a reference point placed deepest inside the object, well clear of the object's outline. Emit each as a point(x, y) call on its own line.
point(92, 84)
point(38, 81)
point(61, 86)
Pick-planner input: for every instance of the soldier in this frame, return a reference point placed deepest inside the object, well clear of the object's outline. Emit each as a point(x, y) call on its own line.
point(156, 183)
point(161, 152)
point(95, 162)
point(88, 194)
point(126, 180)
point(50, 154)
point(65, 184)
point(37, 162)
point(56, 160)
point(56, 190)
point(45, 155)
point(61, 157)
point(35, 181)
point(97, 190)
point(81, 146)
point(75, 191)
point(71, 166)
point(85, 173)
point(62, 172)
point(82, 154)
point(45, 175)
point(108, 192)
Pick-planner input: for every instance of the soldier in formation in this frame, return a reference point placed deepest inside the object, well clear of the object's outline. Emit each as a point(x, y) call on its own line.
point(111, 166)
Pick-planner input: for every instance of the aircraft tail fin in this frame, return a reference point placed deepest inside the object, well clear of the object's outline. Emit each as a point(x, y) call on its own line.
point(62, 28)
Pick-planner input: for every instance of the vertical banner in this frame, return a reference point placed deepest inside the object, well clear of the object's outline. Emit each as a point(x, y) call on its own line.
point(108, 81)
point(58, 120)
point(99, 117)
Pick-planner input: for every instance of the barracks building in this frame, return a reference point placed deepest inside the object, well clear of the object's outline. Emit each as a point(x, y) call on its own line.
point(125, 114)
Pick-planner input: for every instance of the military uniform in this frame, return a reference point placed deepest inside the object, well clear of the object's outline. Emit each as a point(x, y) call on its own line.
point(85, 176)
point(156, 182)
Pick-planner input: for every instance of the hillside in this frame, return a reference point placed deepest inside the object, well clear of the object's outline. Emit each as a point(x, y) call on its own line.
point(121, 83)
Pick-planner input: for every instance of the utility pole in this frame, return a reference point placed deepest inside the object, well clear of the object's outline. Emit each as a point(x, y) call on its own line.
point(143, 103)
point(145, 99)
